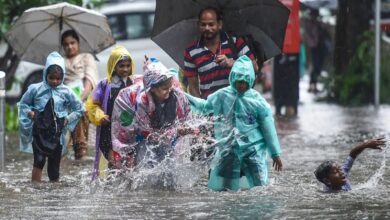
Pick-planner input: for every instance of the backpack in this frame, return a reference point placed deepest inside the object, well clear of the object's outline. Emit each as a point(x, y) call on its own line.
point(254, 46)
point(48, 128)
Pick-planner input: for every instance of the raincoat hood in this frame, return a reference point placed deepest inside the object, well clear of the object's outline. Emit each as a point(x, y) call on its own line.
point(116, 55)
point(242, 70)
point(155, 72)
point(54, 58)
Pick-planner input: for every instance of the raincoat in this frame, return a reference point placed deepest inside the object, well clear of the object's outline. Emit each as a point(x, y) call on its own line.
point(135, 112)
point(101, 102)
point(66, 104)
point(245, 130)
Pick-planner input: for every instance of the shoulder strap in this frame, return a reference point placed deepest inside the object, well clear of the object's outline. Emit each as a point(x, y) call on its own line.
point(232, 46)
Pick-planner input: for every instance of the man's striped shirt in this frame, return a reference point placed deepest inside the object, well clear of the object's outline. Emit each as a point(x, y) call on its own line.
point(199, 61)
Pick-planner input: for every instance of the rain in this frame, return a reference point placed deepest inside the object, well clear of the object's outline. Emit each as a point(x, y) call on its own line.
point(316, 119)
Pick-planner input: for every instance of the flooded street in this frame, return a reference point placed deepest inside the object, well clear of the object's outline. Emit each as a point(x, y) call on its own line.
point(322, 131)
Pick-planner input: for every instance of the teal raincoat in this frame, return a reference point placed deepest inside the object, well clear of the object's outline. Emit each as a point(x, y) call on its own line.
point(245, 130)
point(66, 104)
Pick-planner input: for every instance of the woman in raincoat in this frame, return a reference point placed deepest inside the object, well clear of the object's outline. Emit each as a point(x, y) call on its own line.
point(46, 111)
point(148, 112)
point(245, 131)
point(100, 104)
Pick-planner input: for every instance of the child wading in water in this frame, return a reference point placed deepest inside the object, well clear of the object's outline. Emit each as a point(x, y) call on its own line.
point(46, 110)
point(119, 75)
point(245, 130)
point(334, 176)
point(149, 113)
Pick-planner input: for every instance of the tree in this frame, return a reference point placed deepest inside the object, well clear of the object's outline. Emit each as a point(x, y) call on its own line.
point(353, 59)
point(353, 19)
point(10, 11)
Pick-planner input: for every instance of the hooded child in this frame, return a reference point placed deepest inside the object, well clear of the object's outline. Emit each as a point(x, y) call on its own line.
point(148, 112)
point(244, 129)
point(46, 110)
point(100, 104)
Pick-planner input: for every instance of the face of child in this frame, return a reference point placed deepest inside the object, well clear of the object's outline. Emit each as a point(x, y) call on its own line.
point(71, 46)
point(241, 86)
point(161, 93)
point(54, 78)
point(123, 68)
point(336, 177)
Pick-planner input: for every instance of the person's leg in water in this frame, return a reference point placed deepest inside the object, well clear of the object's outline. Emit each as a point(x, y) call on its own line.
point(80, 138)
point(36, 175)
point(53, 164)
point(39, 163)
point(316, 62)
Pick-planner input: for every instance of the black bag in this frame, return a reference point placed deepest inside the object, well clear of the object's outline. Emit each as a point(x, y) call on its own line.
point(255, 47)
point(48, 129)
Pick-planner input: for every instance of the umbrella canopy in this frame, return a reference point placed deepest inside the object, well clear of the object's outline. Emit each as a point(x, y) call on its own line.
point(38, 31)
point(175, 23)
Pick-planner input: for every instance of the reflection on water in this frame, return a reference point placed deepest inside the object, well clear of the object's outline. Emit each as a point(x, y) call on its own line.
point(322, 131)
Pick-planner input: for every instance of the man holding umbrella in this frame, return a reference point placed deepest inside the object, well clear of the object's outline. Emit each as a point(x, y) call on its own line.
point(207, 62)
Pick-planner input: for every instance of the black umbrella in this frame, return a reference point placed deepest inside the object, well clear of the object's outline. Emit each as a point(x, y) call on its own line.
point(175, 23)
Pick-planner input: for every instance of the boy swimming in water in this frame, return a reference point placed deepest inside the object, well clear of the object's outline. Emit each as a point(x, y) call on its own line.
point(334, 176)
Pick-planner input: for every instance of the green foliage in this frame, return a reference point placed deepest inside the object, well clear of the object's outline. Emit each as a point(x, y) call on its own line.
point(11, 118)
point(385, 73)
point(355, 86)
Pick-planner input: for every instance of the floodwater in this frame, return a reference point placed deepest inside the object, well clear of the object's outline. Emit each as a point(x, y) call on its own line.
point(322, 131)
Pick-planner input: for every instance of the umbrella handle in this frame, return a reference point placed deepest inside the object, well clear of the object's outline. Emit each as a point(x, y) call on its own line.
point(61, 23)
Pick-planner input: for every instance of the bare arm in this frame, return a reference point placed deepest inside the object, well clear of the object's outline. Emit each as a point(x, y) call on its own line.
point(373, 144)
point(193, 86)
point(87, 89)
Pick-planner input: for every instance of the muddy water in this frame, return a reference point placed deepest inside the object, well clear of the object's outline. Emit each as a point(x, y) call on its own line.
point(322, 131)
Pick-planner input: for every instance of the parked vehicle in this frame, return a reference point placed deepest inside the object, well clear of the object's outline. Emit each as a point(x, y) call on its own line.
point(131, 23)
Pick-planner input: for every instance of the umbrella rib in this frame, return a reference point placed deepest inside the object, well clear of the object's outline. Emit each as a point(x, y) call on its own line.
point(35, 37)
point(29, 22)
point(81, 22)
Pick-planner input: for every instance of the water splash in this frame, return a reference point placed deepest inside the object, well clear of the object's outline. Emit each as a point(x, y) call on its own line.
point(378, 176)
point(164, 166)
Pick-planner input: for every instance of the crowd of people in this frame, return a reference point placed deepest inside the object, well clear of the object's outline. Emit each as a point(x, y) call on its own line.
point(132, 111)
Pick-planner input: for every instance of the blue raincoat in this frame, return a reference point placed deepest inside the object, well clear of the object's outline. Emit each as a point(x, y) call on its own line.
point(66, 104)
point(245, 130)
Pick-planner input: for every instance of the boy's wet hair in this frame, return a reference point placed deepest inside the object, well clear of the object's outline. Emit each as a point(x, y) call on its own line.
point(323, 170)
point(54, 67)
point(70, 33)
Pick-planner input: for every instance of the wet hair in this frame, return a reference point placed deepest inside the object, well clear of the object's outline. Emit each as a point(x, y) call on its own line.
point(322, 171)
point(210, 8)
point(56, 68)
point(70, 33)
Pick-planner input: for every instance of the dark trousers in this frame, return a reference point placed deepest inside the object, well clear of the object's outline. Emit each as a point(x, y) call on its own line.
point(317, 56)
point(286, 82)
point(54, 159)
